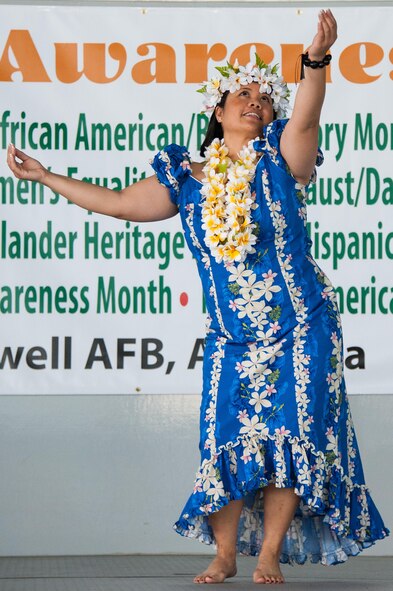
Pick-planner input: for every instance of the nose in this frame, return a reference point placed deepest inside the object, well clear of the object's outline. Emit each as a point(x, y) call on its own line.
point(255, 102)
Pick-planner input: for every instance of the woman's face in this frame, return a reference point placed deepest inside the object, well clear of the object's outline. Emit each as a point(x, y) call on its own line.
point(246, 110)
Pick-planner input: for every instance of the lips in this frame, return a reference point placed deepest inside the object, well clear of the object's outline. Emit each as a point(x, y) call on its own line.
point(252, 114)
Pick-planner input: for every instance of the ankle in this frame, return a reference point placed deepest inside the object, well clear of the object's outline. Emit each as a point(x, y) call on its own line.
point(270, 552)
point(227, 554)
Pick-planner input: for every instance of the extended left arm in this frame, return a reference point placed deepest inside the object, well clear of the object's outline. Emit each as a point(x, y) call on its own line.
point(299, 141)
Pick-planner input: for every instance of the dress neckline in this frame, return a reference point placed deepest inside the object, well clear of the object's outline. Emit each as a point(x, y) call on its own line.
point(195, 179)
point(200, 182)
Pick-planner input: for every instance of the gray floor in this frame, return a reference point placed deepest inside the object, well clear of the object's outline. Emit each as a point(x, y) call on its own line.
point(145, 573)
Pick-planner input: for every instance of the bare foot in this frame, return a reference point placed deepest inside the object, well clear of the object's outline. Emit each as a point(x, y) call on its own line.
point(218, 570)
point(268, 570)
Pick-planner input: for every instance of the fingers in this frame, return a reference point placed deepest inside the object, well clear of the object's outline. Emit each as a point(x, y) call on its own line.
point(14, 165)
point(23, 166)
point(325, 36)
point(330, 17)
point(18, 153)
point(11, 158)
point(328, 26)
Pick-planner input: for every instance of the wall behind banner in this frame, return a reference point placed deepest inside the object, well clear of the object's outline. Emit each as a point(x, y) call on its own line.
point(101, 474)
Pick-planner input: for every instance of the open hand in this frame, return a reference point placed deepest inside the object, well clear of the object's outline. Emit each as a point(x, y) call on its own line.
point(325, 37)
point(27, 169)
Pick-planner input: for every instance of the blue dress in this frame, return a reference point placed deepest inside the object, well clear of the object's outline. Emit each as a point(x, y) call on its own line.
point(274, 405)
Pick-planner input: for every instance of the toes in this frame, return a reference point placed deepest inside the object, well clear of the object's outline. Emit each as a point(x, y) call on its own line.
point(277, 580)
point(261, 579)
point(205, 579)
point(268, 579)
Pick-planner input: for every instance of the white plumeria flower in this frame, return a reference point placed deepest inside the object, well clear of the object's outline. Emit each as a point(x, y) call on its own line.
point(213, 85)
point(257, 382)
point(260, 75)
point(333, 443)
point(266, 338)
point(251, 368)
point(232, 83)
point(268, 289)
point(265, 86)
point(252, 427)
point(248, 73)
point(259, 401)
point(209, 480)
point(247, 282)
point(216, 491)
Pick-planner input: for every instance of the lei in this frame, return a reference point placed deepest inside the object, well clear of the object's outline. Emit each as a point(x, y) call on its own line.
point(228, 201)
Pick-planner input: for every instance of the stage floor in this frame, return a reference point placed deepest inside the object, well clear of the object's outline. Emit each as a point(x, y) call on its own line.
point(175, 572)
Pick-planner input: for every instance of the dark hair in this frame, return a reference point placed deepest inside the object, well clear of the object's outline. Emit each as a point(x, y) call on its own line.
point(214, 129)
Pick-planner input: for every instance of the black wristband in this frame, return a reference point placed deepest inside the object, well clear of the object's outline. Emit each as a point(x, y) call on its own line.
point(313, 63)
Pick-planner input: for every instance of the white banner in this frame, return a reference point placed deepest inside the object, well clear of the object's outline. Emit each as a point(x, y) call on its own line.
point(90, 304)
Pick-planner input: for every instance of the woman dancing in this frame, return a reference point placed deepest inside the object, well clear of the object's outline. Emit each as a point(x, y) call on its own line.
point(280, 475)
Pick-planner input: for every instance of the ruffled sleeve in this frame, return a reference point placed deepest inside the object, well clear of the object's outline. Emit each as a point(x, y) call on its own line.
point(318, 162)
point(272, 135)
point(172, 166)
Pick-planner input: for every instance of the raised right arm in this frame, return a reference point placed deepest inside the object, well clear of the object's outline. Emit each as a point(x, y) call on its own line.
point(145, 201)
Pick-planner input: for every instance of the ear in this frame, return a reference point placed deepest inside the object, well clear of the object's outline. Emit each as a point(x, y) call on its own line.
point(218, 114)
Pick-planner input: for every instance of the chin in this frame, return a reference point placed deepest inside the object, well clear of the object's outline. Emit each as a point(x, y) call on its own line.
point(255, 125)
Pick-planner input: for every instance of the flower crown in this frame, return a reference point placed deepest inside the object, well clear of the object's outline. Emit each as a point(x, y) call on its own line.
point(234, 76)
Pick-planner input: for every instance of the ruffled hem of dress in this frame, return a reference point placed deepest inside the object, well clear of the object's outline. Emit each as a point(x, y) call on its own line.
point(337, 516)
point(338, 556)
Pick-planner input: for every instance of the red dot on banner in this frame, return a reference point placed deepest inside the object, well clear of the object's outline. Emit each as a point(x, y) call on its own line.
point(183, 298)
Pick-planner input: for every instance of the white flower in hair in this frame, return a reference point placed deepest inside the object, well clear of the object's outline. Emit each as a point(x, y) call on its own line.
point(210, 102)
point(265, 86)
point(213, 85)
point(263, 80)
point(277, 93)
point(232, 83)
point(247, 73)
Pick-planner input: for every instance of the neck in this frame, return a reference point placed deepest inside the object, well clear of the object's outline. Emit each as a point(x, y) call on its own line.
point(236, 143)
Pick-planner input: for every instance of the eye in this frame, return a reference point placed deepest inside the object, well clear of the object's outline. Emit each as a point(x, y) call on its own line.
point(244, 92)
